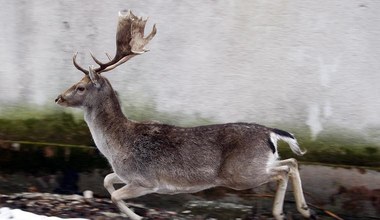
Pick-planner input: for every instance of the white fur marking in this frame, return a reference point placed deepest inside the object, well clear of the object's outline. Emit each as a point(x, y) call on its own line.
point(271, 162)
point(292, 143)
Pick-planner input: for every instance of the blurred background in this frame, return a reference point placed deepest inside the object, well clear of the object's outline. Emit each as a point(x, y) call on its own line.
point(309, 67)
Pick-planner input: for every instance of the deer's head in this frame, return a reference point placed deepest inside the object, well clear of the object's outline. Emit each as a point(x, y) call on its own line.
point(89, 91)
point(93, 88)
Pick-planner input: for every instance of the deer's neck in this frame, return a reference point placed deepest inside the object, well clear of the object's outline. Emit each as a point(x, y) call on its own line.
point(104, 113)
point(106, 123)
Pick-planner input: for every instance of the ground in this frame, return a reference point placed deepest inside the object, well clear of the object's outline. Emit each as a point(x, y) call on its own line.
point(76, 206)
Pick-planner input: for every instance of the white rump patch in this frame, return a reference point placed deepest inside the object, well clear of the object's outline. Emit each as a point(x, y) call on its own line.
point(272, 161)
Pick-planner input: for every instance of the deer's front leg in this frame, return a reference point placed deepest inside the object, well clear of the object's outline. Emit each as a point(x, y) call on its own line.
point(111, 179)
point(127, 192)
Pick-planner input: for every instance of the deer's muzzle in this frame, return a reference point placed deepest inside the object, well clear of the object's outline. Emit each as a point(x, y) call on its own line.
point(59, 99)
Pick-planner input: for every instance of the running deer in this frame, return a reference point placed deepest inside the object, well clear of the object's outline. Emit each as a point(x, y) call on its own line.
point(166, 159)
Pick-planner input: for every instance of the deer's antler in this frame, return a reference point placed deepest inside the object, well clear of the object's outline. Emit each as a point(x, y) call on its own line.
point(130, 42)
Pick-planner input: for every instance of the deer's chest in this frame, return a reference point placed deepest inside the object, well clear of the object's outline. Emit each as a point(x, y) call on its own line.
point(103, 142)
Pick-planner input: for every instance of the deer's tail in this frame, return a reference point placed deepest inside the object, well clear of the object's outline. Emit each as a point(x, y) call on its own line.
point(289, 138)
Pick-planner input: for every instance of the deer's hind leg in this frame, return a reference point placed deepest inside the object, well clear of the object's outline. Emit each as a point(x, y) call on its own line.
point(297, 186)
point(281, 173)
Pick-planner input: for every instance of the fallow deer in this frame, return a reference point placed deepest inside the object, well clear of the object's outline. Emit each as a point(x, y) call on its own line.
point(166, 159)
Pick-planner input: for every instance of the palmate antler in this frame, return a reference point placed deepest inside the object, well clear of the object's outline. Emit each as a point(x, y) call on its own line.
point(130, 42)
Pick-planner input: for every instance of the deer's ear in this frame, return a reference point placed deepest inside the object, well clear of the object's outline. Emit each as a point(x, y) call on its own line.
point(94, 76)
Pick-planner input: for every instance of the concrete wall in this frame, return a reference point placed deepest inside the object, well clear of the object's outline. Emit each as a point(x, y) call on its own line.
point(309, 63)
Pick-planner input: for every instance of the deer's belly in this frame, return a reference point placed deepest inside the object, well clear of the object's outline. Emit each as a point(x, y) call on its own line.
point(175, 189)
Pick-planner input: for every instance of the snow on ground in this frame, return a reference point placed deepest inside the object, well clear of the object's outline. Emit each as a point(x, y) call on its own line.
point(18, 214)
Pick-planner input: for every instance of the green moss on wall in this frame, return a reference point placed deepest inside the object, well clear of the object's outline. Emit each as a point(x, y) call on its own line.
point(333, 145)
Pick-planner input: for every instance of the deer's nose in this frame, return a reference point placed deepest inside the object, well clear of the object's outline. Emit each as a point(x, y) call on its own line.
point(59, 99)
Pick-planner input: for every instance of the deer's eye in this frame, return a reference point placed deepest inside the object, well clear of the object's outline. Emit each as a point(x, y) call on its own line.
point(80, 88)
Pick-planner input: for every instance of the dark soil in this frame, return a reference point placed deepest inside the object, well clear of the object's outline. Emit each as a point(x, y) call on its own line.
point(76, 206)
